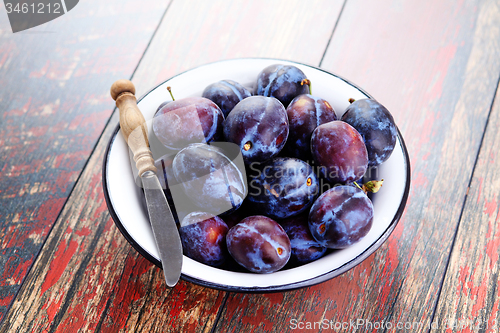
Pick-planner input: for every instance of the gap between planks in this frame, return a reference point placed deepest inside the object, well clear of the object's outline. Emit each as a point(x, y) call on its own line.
point(471, 177)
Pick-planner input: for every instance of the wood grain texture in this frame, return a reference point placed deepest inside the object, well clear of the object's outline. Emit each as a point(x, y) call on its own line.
point(199, 32)
point(55, 101)
point(87, 277)
point(435, 65)
point(470, 295)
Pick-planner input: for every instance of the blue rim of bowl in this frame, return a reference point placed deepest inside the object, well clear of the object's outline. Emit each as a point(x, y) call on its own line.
point(279, 288)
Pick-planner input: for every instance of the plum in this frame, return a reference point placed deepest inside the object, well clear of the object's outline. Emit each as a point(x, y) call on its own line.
point(188, 120)
point(226, 94)
point(304, 247)
point(161, 106)
point(376, 126)
point(339, 151)
point(283, 187)
point(340, 217)
point(216, 182)
point(259, 126)
point(203, 237)
point(259, 244)
point(283, 82)
point(305, 113)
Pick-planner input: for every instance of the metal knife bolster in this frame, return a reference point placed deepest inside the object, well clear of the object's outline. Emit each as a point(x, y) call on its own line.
point(164, 228)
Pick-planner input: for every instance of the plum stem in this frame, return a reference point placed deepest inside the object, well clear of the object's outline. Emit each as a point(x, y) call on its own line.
point(308, 82)
point(247, 146)
point(170, 91)
point(357, 185)
point(352, 100)
point(271, 190)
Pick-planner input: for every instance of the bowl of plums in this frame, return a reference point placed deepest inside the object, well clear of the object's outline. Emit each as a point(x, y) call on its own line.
point(279, 175)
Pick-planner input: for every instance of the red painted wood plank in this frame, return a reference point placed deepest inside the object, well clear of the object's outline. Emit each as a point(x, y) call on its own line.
point(435, 67)
point(470, 296)
point(209, 32)
point(55, 80)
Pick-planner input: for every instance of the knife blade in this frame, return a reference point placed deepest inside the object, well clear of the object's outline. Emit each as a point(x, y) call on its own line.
point(164, 228)
point(134, 129)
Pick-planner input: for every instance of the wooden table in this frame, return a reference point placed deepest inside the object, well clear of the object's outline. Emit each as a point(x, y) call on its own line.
point(65, 267)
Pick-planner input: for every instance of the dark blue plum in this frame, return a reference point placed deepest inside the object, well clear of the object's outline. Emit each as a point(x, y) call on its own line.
point(305, 113)
point(259, 126)
point(259, 244)
point(283, 82)
point(203, 237)
point(207, 176)
point(226, 94)
point(283, 187)
point(304, 247)
point(376, 125)
point(341, 217)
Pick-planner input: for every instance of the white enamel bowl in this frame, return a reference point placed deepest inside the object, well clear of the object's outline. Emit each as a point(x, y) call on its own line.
point(129, 215)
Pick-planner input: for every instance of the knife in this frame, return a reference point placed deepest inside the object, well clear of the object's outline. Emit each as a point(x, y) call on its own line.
point(134, 129)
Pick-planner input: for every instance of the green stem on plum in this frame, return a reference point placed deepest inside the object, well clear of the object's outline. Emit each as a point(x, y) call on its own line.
point(357, 185)
point(308, 82)
point(170, 91)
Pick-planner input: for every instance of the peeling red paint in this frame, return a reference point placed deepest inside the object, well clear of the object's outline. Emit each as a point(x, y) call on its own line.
point(478, 293)
point(420, 180)
point(17, 271)
point(63, 255)
point(442, 60)
point(493, 241)
point(49, 210)
point(479, 189)
point(18, 112)
point(45, 156)
point(70, 160)
point(40, 73)
point(85, 231)
point(65, 179)
point(463, 276)
point(258, 317)
point(52, 308)
point(6, 301)
point(491, 207)
point(492, 317)
point(125, 292)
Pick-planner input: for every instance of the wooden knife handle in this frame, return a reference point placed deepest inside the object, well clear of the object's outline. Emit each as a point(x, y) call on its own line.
point(133, 125)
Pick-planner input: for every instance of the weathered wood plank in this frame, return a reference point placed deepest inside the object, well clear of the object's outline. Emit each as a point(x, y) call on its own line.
point(87, 277)
point(470, 294)
point(435, 65)
point(199, 32)
point(55, 105)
